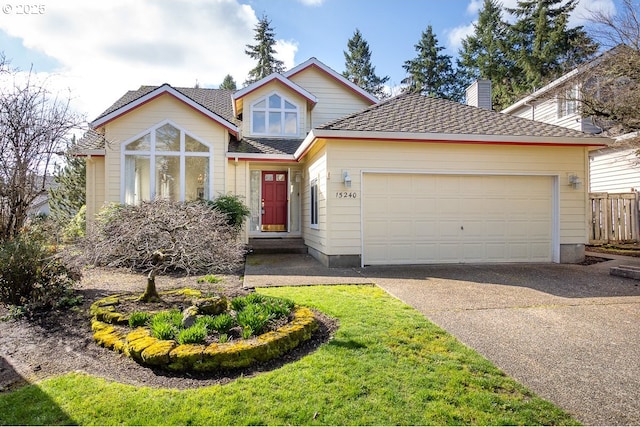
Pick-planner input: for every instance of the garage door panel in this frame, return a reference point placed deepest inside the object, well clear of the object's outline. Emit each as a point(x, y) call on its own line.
point(401, 229)
point(446, 218)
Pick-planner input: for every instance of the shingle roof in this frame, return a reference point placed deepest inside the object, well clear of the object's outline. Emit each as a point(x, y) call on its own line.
point(218, 101)
point(90, 141)
point(264, 146)
point(415, 113)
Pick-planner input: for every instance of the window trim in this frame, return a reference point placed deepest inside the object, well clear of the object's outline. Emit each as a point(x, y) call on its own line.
point(153, 154)
point(314, 211)
point(282, 110)
point(568, 102)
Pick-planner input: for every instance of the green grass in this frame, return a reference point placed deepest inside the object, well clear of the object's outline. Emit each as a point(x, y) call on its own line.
point(386, 365)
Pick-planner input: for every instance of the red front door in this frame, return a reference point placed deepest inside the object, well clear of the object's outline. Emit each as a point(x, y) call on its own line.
point(274, 201)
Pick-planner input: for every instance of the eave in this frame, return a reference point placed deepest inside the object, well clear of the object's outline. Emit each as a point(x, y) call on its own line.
point(317, 134)
point(239, 95)
point(262, 157)
point(313, 62)
point(164, 89)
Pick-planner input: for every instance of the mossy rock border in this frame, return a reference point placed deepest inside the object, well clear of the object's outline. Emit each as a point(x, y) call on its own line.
point(142, 347)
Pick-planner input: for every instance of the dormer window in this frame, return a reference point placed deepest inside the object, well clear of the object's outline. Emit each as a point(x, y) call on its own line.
point(274, 115)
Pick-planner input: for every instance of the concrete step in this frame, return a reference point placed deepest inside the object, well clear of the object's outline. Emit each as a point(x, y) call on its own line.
point(277, 246)
point(629, 271)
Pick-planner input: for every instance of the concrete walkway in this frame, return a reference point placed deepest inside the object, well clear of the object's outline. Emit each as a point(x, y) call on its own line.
point(570, 333)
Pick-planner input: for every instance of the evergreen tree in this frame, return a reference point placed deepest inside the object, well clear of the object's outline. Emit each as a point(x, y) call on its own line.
point(228, 83)
point(263, 52)
point(485, 55)
point(68, 194)
point(359, 69)
point(543, 46)
point(431, 72)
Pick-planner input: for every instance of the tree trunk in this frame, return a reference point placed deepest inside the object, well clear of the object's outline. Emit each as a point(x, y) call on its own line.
point(151, 294)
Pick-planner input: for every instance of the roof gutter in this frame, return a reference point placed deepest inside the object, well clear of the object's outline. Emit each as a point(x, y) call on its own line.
point(262, 157)
point(317, 134)
point(89, 153)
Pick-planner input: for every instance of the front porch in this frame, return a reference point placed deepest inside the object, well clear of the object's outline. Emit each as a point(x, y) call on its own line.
point(277, 245)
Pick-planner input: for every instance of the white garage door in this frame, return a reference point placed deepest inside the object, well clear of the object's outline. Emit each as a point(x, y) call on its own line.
point(422, 219)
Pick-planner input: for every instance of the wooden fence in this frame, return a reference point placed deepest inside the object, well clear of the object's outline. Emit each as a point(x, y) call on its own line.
point(614, 218)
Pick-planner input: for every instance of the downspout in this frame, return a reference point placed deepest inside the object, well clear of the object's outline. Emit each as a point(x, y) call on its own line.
point(533, 109)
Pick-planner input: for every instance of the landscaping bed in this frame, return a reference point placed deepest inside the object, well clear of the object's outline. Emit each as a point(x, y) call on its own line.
point(61, 342)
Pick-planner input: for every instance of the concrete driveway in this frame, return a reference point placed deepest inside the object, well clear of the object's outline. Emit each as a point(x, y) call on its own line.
point(570, 333)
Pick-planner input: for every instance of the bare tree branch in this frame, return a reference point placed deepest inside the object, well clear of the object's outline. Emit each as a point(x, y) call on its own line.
point(34, 127)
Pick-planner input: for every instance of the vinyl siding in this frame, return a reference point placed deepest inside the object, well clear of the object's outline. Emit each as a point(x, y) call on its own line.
point(343, 214)
point(135, 122)
point(547, 112)
point(614, 171)
point(316, 160)
point(95, 185)
point(335, 100)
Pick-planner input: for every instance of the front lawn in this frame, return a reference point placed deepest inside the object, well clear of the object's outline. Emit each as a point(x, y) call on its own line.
point(386, 365)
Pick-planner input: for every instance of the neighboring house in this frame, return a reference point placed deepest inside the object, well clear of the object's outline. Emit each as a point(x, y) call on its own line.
point(40, 205)
point(614, 169)
point(411, 180)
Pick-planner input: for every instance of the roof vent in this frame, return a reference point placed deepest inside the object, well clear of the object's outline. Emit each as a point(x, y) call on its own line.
point(479, 94)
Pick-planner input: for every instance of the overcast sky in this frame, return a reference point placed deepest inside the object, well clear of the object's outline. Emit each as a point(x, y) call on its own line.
point(100, 49)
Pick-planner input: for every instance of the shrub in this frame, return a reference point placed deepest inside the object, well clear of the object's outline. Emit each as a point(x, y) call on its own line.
point(165, 324)
point(253, 317)
point(138, 318)
point(209, 278)
point(223, 322)
point(76, 228)
point(172, 317)
point(207, 322)
point(238, 303)
point(279, 307)
point(33, 277)
point(163, 236)
point(233, 208)
point(192, 335)
point(163, 330)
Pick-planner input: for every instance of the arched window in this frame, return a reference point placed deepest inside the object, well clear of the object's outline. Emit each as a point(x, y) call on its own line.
point(166, 162)
point(274, 115)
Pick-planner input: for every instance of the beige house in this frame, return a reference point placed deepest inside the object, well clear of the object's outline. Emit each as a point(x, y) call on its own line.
point(409, 180)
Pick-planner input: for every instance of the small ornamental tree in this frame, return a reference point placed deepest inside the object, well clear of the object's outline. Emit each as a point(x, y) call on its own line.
point(160, 237)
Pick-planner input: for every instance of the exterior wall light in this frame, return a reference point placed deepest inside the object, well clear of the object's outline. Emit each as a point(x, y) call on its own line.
point(346, 178)
point(574, 181)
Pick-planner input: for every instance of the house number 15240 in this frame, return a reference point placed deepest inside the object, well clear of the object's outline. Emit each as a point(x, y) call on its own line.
point(346, 195)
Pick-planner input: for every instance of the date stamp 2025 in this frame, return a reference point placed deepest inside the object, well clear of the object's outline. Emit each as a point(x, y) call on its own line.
point(23, 9)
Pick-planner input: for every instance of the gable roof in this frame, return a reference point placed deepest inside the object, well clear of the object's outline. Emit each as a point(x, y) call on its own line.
point(237, 96)
point(313, 62)
point(213, 103)
point(423, 118)
point(555, 84)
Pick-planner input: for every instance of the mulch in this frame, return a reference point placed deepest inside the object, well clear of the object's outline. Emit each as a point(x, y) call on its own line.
point(61, 341)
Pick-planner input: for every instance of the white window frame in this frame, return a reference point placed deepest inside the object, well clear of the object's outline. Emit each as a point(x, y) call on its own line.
point(314, 212)
point(568, 101)
point(153, 153)
point(282, 112)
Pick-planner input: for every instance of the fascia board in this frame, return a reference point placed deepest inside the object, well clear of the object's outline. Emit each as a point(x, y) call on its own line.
point(259, 156)
point(165, 88)
point(337, 76)
point(453, 138)
point(285, 81)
